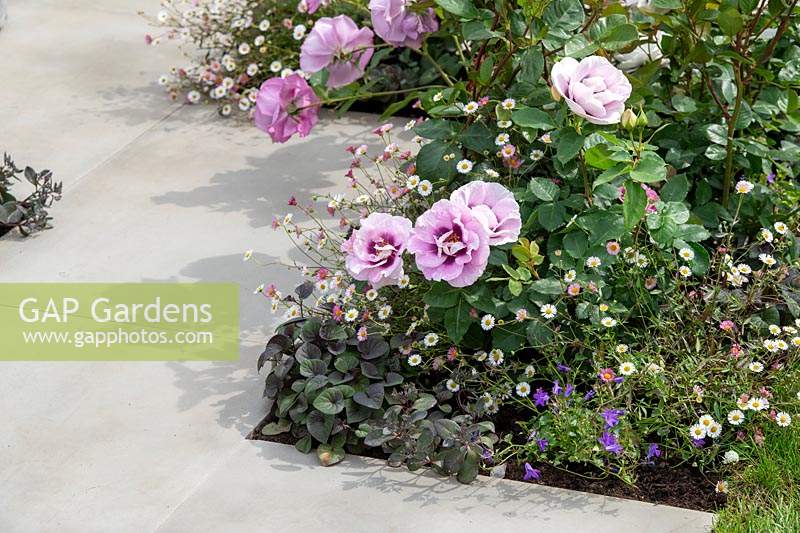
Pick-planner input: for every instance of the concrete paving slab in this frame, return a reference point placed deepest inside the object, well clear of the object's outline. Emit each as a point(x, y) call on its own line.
point(99, 446)
point(265, 486)
point(78, 82)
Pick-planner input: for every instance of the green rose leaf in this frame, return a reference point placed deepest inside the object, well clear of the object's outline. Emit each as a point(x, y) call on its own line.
point(431, 162)
point(576, 244)
point(569, 144)
point(529, 117)
point(457, 321)
point(543, 189)
point(552, 216)
point(634, 205)
point(650, 168)
point(462, 8)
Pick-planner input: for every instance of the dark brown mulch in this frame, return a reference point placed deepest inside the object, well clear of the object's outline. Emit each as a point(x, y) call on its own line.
point(680, 486)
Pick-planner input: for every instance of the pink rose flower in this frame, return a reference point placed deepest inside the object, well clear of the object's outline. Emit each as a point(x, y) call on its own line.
point(450, 244)
point(494, 206)
point(286, 106)
point(374, 251)
point(340, 46)
point(593, 88)
point(399, 26)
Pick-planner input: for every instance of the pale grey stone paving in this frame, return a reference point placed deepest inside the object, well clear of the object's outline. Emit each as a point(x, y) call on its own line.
point(265, 486)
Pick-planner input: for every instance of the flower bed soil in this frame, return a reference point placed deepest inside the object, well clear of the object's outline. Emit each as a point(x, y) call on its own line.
point(678, 486)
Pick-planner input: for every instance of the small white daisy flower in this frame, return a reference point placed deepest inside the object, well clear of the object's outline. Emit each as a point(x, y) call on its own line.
point(501, 140)
point(774, 329)
point(247, 255)
point(627, 368)
point(464, 166)
point(570, 276)
point(431, 339)
point(685, 271)
point(404, 281)
point(721, 487)
point(470, 107)
point(537, 155)
point(503, 124)
point(452, 386)
point(508, 104)
point(548, 311)
point(593, 262)
point(496, 357)
point(697, 431)
point(371, 295)
point(530, 371)
point(351, 315)
point(621, 348)
point(414, 359)
point(608, 322)
point(735, 417)
point(522, 314)
point(714, 430)
point(758, 403)
point(523, 389)
point(767, 259)
point(756, 367)
point(487, 322)
point(781, 228)
point(783, 419)
point(744, 187)
point(413, 181)
point(687, 254)
point(425, 188)
point(384, 312)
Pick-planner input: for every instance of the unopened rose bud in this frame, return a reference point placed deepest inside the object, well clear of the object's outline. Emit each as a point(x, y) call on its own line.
point(555, 94)
point(628, 119)
point(641, 120)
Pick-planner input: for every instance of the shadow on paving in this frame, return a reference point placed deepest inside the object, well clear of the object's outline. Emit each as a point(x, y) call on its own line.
point(233, 388)
point(425, 488)
point(299, 168)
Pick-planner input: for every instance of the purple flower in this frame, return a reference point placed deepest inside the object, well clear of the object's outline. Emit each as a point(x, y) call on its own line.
point(450, 244)
point(540, 397)
point(340, 46)
point(400, 26)
point(542, 443)
point(653, 452)
point(374, 251)
point(771, 178)
point(611, 416)
point(589, 395)
point(531, 473)
point(495, 206)
point(561, 367)
point(487, 454)
point(286, 106)
point(593, 88)
point(556, 388)
point(699, 443)
point(610, 443)
point(568, 390)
